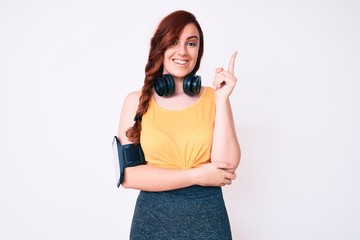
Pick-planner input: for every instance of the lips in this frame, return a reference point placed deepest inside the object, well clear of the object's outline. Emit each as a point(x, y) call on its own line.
point(180, 62)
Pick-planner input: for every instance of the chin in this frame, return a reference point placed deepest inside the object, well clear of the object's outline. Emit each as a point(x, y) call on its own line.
point(178, 74)
point(178, 71)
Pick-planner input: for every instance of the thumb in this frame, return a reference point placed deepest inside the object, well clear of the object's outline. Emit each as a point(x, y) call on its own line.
point(218, 70)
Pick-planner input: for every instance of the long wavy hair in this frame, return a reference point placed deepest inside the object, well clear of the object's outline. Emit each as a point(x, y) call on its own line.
point(166, 34)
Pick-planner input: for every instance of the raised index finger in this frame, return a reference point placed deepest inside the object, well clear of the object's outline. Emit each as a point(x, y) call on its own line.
point(232, 63)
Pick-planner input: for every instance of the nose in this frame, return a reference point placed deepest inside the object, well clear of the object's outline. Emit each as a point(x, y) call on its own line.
point(181, 49)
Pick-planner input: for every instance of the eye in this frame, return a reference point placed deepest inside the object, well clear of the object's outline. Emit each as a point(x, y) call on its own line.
point(192, 44)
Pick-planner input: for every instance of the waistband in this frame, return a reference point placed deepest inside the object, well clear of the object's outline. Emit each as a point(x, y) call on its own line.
point(195, 190)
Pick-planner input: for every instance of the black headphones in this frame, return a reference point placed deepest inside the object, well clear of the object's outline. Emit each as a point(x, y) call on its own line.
point(165, 85)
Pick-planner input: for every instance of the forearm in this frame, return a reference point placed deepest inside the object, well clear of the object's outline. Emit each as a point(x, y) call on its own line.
point(151, 178)
point(225, 147)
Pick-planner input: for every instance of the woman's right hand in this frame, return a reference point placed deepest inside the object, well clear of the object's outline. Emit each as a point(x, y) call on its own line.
point(214, 174)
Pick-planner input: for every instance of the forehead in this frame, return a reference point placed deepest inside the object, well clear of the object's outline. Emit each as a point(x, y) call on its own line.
point(189, 31)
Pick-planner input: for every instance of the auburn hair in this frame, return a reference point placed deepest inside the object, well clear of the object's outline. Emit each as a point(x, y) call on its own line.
point(166, 34)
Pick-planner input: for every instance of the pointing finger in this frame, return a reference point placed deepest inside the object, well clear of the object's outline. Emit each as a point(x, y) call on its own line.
point(232, 63)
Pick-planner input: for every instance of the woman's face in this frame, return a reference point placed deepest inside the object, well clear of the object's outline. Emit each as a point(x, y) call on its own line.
point(180, 58)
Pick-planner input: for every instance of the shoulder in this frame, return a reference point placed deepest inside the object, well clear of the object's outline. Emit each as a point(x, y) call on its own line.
point(131, 103)
point(208, 92)
point(133, 97)
point(209, 98)
point(209, 89)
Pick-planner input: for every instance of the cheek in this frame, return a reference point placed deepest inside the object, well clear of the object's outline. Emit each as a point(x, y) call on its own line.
point(195, 56)
point(194, 53)
point(166, 57)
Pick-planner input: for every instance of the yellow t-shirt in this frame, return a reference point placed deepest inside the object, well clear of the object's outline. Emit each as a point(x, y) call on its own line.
point(180, 139)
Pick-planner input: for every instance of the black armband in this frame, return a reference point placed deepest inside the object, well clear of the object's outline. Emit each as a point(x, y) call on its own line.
point(127, 155)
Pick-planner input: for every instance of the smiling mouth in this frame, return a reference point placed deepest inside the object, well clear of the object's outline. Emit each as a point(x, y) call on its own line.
point(180, 62)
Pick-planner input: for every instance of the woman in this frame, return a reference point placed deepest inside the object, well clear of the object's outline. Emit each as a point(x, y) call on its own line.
point(188, 137)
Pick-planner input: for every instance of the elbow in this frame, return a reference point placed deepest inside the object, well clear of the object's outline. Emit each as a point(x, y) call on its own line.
point(125, 184)
point(232, 155)
point(236, 152)
point(237, 156)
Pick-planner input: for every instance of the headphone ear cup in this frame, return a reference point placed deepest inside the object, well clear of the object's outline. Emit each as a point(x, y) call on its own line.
point(170, 85)
point(192, 85)
point(164, 85)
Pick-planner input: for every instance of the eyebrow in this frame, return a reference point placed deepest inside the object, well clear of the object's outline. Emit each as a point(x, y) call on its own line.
point(192, 37)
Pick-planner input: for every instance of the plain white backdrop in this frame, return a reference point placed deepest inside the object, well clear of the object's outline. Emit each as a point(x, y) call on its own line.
point(66, 66)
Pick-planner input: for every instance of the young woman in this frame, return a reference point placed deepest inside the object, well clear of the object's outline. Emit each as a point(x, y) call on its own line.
point(188, 137)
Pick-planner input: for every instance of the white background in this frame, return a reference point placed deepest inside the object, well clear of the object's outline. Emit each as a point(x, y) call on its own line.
point(66, 66)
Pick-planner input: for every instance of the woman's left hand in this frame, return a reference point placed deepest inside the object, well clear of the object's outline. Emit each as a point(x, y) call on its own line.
point(225, 81)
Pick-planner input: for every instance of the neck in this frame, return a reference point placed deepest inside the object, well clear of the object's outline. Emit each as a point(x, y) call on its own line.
point(179, 86)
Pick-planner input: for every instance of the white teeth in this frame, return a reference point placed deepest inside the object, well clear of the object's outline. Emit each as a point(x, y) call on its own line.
point(181, 62)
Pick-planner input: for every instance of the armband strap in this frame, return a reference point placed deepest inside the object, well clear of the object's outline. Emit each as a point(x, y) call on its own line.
point(127, 155)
